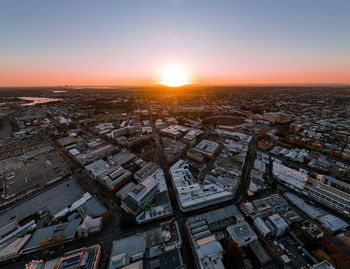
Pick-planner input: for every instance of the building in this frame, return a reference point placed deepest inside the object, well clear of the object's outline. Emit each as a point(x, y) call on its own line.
point(121, 158)
point(220, 218)
point(96, 168)
point(115, 178)
point(149, 170)
point(234, 135)
point(87, 205)
point(86, 257)
point(328, 196)
point(141, 196)
point(262, 227)
point(335, 183)
point(312, 229)
point(174, 131)
point(48, 236)
point(309, 210)
point(128, 130)
point(51, 200)
point(323, 265)
point(149, 248)
point(31, 171)
point(192, 195)
point(280, 226)
point(277, 117)
point(241, 233)
point(332, 223)
point(11, 251)
point(144, 193)
point(292, 178)
point(195, 155)
point(191, 137)
point(207, 148)
point(7, 229)
point(207, 250)
point(124, 191)
point(90, 225)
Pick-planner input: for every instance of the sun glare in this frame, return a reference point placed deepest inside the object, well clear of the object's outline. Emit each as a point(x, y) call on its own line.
point(174, 76)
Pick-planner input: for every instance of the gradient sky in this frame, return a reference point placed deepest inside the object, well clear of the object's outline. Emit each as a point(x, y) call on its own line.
point(125, 42)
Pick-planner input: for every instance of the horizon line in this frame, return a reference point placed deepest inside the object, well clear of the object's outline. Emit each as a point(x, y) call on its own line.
point(187, 85)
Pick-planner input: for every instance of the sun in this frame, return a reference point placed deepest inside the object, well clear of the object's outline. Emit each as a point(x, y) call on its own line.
point(174, 76)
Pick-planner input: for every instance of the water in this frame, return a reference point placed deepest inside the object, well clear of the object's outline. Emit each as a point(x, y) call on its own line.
point(37, 100)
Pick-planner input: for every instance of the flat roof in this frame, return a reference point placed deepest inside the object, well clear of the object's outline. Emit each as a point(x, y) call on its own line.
point(289, 176)
point(241, 231)
point(218, 215)
point(67, 229)
point(53, 199)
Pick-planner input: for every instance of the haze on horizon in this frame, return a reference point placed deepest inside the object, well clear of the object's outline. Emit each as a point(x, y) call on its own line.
point(85, 42)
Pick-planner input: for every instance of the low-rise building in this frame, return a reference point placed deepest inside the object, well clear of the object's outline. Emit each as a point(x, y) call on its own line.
point(280, 226)
point(115, 178)
point(97, 168)
point(86, 257)
point(12, 250)
point(90, 225)
point(290, 177)
point(49, 236)
point(141, 196)
point(220, 218)
point(262, 227)
point(192, 195)
point(148, 248)
point(207, 250)
point(241, 233)
point(207, 148)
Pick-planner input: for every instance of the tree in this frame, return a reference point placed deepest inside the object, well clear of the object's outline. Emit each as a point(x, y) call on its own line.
point(43, 245)
point(321, 256)
point(233, 257)
point(58, 241)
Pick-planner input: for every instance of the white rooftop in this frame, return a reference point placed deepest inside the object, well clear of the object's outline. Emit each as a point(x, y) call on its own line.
point(190, 193)
point(289, 176)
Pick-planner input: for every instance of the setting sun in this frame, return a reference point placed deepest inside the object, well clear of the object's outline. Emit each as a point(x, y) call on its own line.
point(174, 76)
